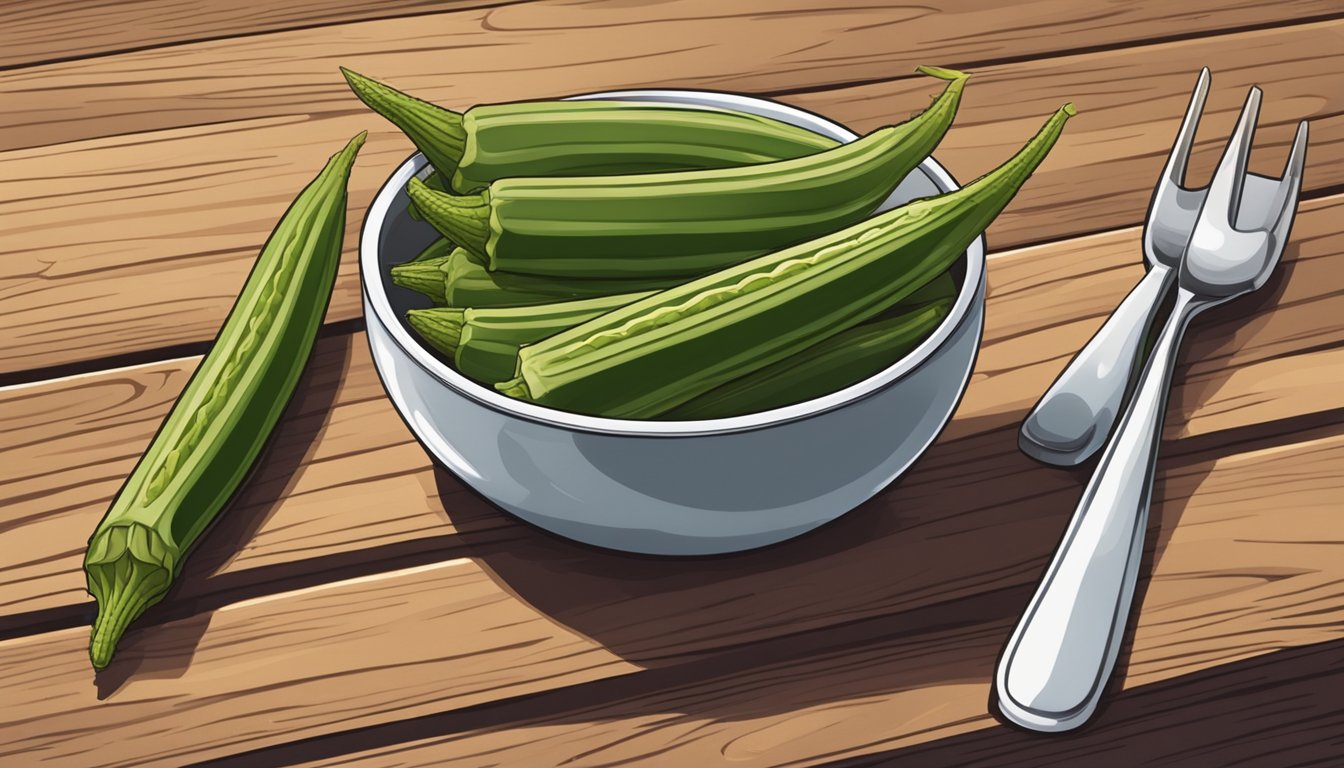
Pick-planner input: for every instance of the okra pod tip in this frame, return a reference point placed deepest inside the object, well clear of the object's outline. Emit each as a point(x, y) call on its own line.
point(435, 131)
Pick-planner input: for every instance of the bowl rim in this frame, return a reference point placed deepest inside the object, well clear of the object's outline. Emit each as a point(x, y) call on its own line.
point(376, 299)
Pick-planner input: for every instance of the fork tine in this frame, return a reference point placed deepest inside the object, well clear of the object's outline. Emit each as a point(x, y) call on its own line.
point(1297, 157)
point(1224, 197)
point(1185, 138)
point(1284, 202)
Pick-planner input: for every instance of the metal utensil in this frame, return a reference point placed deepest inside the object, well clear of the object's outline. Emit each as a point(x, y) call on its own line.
point(1074, 417)
point(1056, 664)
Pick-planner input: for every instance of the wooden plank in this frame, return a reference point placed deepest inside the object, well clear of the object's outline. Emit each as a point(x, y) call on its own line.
point(1279, 709)
point(532, 50)
point(70, 442)
point(1231, 581)
point(1101, 174)
point(1228, 584)
point(35, 31)
point(187, 225)
point(401, 644)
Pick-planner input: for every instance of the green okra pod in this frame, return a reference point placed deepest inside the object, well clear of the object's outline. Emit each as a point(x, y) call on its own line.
point(455, 279)
point(580, 138)
point(838, 362)
point(219, 423)
point(686, 223)
point(646, 358)
point(484, 343)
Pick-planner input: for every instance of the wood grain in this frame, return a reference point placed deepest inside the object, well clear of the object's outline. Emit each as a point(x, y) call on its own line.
point(359, 605)
point(1214, 598)
point(1130, 101)
point(532, 50)
point(190, 221)
point(342, 459)
point(342, 654)
point(348, 655)
point(39, 31)
point(1278, 709)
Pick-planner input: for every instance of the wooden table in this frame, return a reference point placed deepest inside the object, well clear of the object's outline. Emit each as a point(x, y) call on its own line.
point(357, 605)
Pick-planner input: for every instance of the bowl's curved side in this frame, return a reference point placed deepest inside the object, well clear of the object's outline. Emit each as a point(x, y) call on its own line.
point(694, 495)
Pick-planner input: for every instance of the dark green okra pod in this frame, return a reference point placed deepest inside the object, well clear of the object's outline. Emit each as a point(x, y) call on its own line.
point(687, 223)
point(648, 357)
point(838, 362)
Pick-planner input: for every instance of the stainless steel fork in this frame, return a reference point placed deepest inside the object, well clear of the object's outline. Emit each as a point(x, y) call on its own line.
point(1074, 417)
point(1061, 654)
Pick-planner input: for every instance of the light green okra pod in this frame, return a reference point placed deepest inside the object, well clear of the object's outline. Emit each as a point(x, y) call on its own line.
point(686, 223)
point(219, 423)
point(648, 357)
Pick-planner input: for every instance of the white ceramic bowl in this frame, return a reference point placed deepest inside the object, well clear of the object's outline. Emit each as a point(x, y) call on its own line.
point(659, 487)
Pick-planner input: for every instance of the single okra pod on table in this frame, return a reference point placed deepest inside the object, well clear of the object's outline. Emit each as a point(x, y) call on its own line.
point(456, 280)
point(219, 423)
point(645, 358)
point(484, 343)
point(580, 138)
point(838, 362)
point(687, 223)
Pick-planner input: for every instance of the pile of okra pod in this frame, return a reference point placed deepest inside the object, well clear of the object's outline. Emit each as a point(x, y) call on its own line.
point(637, 260)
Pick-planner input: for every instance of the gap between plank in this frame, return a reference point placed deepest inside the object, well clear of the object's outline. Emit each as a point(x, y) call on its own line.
point(101, 365)
point(940, 617)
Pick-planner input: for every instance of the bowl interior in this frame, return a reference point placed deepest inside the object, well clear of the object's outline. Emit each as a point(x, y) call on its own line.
point(392, 237)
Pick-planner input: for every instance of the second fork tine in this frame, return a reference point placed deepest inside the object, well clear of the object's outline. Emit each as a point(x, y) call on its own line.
point(1224, 198)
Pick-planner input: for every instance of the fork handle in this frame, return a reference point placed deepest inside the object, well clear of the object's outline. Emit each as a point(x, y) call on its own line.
point(1075, 416)
point(1057, 662)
